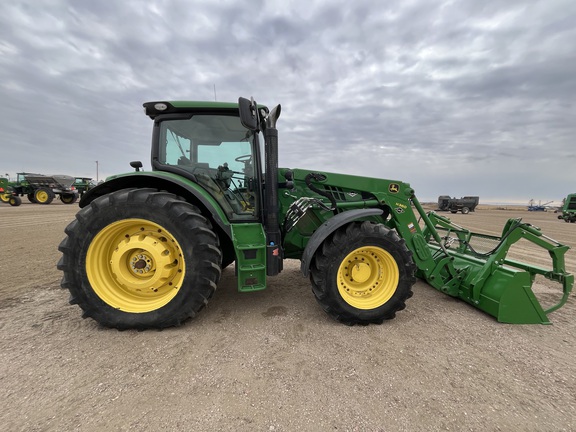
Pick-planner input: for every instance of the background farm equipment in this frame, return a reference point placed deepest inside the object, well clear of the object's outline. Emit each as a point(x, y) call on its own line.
point(7, 194)
point(83, 184)
point(42, 189)
point(147, 248)
point(464, 205)
point(569, 209)
point(532, 206)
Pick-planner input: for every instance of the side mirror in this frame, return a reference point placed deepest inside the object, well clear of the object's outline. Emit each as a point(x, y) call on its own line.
point(136, 165)
point(248, 113)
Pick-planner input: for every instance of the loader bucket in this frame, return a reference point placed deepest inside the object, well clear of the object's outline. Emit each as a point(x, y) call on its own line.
point(476, 268)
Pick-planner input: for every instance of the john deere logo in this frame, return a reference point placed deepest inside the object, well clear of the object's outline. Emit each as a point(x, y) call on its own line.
point(393, 188)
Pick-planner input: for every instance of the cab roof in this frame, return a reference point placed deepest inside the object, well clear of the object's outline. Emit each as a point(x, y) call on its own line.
point(155, 108)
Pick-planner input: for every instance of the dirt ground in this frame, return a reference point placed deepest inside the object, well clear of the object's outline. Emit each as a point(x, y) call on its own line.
point(272, 360)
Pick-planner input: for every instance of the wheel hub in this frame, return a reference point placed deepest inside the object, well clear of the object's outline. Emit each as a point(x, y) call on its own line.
point(367, 277)
point(141, 263)
point(148, 260)
point(135, 265)
point(360, 272)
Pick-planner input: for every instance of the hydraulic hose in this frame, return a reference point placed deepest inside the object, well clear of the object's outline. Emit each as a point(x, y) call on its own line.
point(320, 177)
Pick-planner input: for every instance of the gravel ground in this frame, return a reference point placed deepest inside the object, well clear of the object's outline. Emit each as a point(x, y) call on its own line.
point(272, 360)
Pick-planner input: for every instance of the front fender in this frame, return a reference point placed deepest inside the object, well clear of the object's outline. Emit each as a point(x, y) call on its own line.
point(328, 228)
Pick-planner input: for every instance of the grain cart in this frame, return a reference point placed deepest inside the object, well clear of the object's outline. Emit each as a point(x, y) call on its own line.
point(569, 209)
point(42, 189)
point(147, 248)
point(464, 205)
point(7, 195)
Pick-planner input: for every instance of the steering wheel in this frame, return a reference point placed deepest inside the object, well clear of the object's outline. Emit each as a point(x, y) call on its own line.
point(244, 158)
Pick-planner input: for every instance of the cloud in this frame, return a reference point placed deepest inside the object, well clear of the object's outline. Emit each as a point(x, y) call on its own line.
point(458, 98)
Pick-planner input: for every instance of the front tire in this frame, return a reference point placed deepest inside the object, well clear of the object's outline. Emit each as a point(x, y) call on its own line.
point(363, 274)
point(14, 201)
point(139, 258)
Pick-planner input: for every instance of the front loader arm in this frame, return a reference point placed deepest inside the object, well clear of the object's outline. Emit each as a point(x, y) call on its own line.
point(437, 270)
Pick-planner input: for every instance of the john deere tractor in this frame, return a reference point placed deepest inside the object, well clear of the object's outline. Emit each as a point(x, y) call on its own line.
point(147, 248)
point(569, 209)
point(7, 194)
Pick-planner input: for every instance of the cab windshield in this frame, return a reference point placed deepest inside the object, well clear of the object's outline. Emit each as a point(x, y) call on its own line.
point(217, 152)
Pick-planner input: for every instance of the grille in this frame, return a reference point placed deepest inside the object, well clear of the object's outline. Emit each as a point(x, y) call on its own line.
point(336, 192)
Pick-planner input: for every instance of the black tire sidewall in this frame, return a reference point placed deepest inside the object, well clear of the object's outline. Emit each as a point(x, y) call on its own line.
point(68, 198)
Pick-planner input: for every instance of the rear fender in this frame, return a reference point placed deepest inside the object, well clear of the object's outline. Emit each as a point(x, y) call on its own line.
point(166, 182)
point(328, 228)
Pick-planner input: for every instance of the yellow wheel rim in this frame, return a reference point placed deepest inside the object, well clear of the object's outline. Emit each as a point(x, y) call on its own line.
point(135, 265)
point(368, 277)
point(5, 197)
point(41, 196)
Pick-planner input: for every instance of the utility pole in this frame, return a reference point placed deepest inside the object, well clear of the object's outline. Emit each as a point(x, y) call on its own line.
point(97, 172)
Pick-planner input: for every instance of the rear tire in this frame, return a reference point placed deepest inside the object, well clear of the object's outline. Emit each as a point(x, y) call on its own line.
point(139, 258)
point(44, 196)
point(363, 274)
point(465, 210)
point(69, 198)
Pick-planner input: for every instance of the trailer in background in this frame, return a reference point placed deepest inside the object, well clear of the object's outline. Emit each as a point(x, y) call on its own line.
point(42, 189)
point(464, 205)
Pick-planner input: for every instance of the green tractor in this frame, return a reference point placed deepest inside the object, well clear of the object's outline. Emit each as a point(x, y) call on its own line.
point(7, 194)
point(147, 248)
point(83, 184)
point(569, 209)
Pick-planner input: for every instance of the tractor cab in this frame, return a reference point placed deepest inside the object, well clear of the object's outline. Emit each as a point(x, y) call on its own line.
point(214, 150)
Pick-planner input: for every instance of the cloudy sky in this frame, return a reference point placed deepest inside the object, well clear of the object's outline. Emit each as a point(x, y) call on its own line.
point(455, 97)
